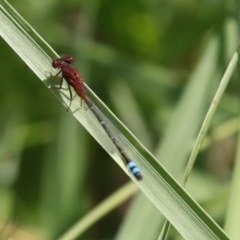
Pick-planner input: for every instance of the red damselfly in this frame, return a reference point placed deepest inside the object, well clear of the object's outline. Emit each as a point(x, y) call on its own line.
point(71, 75)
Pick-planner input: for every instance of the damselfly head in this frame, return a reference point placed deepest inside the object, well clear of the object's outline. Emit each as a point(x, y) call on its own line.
point(59, 62)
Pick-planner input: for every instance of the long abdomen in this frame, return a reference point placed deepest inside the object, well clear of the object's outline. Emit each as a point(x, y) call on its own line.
point(130, 164)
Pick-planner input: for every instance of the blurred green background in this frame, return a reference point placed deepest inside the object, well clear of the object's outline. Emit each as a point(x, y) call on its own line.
point(135, 55)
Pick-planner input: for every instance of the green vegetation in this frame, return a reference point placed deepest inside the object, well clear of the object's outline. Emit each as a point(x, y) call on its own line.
point(158, 67)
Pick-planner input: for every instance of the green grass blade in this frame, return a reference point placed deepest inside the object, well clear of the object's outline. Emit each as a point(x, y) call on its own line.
point(233, 213)
point(205, 126)
point(167, 195)
point(202, 133)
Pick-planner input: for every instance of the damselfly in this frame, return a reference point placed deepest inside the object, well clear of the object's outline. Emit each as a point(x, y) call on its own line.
point(71, 75)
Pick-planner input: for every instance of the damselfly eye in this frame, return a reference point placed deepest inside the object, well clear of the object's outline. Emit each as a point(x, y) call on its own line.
point(55, 63)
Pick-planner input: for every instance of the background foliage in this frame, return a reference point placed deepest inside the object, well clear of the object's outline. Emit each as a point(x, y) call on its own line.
point(137, 56)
